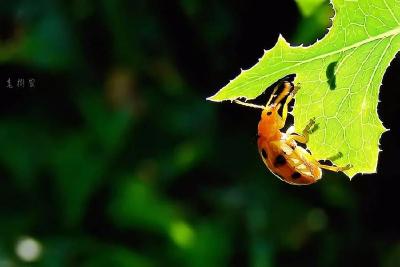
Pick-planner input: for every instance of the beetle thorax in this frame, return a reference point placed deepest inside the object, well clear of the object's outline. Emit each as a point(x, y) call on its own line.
point(268, 127)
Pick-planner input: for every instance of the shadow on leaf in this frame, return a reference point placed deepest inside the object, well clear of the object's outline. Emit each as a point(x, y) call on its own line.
point(330, 74)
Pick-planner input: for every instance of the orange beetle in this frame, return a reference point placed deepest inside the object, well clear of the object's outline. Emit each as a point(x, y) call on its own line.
point(280, 151)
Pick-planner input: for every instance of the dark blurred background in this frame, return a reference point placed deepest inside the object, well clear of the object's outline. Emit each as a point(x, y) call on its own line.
point(111, 156)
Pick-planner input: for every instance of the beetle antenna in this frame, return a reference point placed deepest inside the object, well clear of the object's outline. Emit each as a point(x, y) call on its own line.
point(248, 104)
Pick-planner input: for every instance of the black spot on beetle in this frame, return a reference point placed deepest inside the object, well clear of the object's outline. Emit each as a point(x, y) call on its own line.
point(264, 153)
point(280, 161)
point(269, 113)
point(296, 175)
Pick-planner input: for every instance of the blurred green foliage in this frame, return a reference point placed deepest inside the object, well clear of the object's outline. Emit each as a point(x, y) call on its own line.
point(316, 15)
point(114, 158)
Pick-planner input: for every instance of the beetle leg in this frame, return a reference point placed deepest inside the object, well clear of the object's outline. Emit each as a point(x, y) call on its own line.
point(303, 138)
point(272, 95)
point(285, 110)
point(299, 138)
point(288, 99)
point(335, 168)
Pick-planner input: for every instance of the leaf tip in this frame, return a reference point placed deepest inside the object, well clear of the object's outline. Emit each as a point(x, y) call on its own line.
point(282, 41)
point(209, 98)
point(213, 98)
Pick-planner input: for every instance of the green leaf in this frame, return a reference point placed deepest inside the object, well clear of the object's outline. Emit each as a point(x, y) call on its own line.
point(308, 7)
point(340, 77)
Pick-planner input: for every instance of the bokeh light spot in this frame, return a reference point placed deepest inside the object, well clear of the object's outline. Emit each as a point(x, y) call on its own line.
point(28, 249)
point(182, 234)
